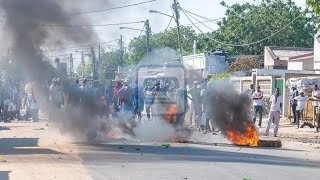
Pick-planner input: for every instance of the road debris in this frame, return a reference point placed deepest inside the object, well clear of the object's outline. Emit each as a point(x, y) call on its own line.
point(165, 145)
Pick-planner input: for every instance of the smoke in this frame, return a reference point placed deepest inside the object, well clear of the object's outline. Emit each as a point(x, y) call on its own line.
point(33, 24)
point(228, 109)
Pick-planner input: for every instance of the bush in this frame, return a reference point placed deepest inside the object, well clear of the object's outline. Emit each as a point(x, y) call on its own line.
point(219, 76)
point(245, 64)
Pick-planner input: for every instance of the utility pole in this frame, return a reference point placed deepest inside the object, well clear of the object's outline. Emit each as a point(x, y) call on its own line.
point(176, 7)
point(121, 49)
point(71, 65)
point(94, 64)
point(148, 32)
point(99, 53)
point(83, 63)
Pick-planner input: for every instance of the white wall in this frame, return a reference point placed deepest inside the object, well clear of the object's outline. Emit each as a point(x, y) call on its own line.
point(295, 65)
point(194, 62)
point(316, 53)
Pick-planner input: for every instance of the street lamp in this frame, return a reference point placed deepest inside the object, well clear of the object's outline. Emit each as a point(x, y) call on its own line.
point(132, 29)
point(157, 12)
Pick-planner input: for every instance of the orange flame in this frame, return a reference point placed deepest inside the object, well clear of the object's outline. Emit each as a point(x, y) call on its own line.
point(112, 135)
point(250, 138)
point(170, 114)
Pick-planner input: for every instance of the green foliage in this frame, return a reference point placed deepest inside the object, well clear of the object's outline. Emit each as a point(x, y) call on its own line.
point(315, 5)
point(168, 38)
point(219, 76)
point(249, 23)
point(84, 70)
point(245, 64)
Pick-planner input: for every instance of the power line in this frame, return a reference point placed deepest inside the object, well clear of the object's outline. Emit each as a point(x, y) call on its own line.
point(90, 25)
point(245, 44)
point(198, 22)
point(208, 19)
point(201, 23)
point(142, 31)
point(74, 47)
point(114, 8)
point(170, 22)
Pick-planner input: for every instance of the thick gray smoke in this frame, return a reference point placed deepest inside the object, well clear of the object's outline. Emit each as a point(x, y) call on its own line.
point(32, 24)
point(228, 109)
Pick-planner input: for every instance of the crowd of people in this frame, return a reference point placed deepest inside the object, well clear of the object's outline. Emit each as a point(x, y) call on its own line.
point(298, 101)
point(14, 97)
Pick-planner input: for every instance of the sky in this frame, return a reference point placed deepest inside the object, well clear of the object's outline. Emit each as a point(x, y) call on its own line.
point(207, 8)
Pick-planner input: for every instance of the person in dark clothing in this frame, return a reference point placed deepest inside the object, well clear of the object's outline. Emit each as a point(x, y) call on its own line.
point(258, 105)
point(75, 94)
point(109, 100)
point(126, 97)
point(293, 103)
point(182, 106)
point(138, 102)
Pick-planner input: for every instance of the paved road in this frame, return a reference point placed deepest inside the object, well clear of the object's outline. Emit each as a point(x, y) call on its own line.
point(199, 161)
point(34, 147)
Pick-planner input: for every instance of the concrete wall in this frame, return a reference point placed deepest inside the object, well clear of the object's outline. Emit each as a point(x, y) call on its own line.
point(268, 60)
point(215, 64)
point(306, 65)
point(205, 64)
point(317, 52)
point(295, 65)
point(241, 84)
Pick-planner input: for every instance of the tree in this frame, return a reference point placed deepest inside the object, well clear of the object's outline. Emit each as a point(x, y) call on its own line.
point(249, 23)
point(109, 64)
point(84, 70)
point(315, 5)
point(245, 64)
point(167, 38)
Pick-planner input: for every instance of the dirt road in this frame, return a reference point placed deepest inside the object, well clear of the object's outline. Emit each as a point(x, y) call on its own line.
point(34, 151)
point(30, 150)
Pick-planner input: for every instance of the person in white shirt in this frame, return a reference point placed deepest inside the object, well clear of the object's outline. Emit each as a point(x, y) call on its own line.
point(250, 91)
point(315, 102)
point(274, 115)
point(301, 103)
point(257, 103)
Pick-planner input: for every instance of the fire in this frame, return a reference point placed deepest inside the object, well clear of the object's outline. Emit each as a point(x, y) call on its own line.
point(250, 138)
point(170, 114)
point(178, 139)
point(112, 135)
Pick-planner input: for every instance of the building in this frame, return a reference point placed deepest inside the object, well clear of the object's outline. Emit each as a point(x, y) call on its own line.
point(279, 57)
point(205, 64)
point(302, 62)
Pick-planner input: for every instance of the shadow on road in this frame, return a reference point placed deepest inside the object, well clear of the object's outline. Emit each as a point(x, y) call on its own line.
point(22, 146)
point(4, 129)
point(4, 175)
point(104, 153)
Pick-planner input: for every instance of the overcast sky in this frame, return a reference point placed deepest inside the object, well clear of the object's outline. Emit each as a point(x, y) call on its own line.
point(208, 8)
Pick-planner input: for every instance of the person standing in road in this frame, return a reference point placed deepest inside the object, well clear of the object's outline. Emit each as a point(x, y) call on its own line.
point(257, 103)
point(138, 102)
point(274, 115)
point(293, 103)
point(315, 102)
point(192, 96)
point(250, 91)
point(301, 103)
